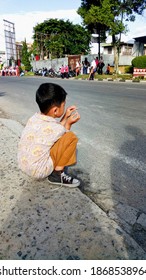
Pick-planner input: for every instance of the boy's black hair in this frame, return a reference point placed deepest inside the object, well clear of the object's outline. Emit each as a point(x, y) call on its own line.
point(48, 95)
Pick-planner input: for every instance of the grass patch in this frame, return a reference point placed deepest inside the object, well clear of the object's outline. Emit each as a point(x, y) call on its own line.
point(30, 73)
point(104, 76)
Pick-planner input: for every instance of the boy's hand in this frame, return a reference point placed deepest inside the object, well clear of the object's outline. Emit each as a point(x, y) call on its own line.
point(70, 110)
point(70, 117)
point(74, 117)
point(67, 114)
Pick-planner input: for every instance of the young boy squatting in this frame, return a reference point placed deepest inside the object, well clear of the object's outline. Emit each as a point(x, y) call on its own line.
point(46, 145)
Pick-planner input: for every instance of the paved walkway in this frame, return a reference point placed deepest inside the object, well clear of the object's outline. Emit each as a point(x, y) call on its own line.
point(39, 222)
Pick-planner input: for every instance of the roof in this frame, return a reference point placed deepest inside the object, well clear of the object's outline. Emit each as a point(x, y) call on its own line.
point(104, 45)
point(131, 41)
point(141, 39)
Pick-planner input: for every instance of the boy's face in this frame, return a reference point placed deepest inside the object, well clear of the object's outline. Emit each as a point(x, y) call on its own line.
point(60, 110)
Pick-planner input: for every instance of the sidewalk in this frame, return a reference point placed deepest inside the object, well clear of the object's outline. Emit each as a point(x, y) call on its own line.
point(39, 222)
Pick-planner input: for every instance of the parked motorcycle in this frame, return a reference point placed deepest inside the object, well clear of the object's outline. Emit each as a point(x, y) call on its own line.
point(38, 72)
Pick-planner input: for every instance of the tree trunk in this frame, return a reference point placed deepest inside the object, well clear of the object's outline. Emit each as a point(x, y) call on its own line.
point(116, 59)
point(99, 45)
point(116, 54)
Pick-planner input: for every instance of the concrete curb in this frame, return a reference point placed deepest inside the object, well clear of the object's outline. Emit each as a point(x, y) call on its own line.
point(12, 125)
point(111, 80)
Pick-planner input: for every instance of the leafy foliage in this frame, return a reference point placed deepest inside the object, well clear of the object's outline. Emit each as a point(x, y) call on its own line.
point(89, 11)
point(139, 62)
point(129, 69)
point(25, 57)
point(110, 15)
point(57, 38)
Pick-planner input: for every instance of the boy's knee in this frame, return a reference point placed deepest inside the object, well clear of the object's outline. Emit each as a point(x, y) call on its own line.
point(72, 136)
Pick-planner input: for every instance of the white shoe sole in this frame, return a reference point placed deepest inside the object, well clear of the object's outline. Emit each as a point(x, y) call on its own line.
point(65, 185)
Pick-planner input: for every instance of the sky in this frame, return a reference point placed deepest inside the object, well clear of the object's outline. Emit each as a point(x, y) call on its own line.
point(28, 13)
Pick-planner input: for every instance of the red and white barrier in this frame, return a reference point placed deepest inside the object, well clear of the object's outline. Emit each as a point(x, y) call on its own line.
point(139, 72)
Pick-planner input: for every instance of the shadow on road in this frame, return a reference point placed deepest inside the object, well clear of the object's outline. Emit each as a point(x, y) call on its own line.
point(128, 181)
point(2, 93)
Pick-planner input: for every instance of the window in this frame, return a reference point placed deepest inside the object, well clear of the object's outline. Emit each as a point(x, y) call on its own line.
point(109, 50)
point(127, 50)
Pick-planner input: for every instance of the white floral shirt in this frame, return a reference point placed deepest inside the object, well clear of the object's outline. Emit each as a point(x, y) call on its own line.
point(39, 135)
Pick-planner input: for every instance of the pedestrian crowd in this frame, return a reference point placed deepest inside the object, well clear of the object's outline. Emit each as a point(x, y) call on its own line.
point(10, 71)
point(96, 66)
point(85, 68)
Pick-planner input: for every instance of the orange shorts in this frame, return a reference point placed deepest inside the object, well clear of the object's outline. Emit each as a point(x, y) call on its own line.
point(63, 152)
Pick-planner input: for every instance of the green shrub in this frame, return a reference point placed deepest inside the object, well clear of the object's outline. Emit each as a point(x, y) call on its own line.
point(141, 77)
point(21, 68)
point(136, 79)
point(29, 73)
point(129, 69)
point(139, 62)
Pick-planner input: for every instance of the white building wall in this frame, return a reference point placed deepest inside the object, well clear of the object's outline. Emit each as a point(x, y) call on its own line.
point(2, 36)
point(95, 48)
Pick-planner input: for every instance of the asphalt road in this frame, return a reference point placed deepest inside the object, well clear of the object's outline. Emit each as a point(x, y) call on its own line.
point(112, 140)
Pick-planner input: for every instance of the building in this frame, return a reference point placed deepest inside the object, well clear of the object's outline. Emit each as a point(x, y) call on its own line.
point(2, 58)
point(139, 47)
point(133, 48)
point(19, 46)
point(125, 48)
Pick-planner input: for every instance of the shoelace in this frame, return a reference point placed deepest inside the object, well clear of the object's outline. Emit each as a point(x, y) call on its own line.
point(61, 185)
point(66, 177)
point(63, 175)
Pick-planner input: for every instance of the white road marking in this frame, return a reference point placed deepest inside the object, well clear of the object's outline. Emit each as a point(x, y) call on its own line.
point(137, 89)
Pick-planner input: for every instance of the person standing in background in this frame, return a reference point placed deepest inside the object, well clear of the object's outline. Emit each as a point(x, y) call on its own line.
point(17, 71)
point(97, 63)
point(86, 64)
point(62, 70)
point(91, 74)
point(78, 67)
point(100, 66)
point(66, 71)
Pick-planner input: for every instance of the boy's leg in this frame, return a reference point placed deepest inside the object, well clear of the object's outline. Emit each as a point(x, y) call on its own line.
point(63, 152)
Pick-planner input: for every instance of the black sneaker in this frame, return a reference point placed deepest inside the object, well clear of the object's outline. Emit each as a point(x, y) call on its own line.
point(60, 178)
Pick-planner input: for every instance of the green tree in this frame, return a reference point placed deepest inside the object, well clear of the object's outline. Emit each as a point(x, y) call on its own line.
point(26, 56)
point(56, 38)
point(34, 48)
point(90, 20)
point(111, 16)
point(139, 62)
